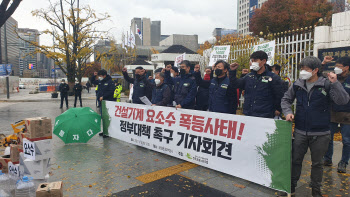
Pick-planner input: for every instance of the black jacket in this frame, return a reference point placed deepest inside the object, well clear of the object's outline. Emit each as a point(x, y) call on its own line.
point(105, 88)
point(142, 87)
point(63, 88)
point(263, 94)
point(77, 89)
point(161, 95)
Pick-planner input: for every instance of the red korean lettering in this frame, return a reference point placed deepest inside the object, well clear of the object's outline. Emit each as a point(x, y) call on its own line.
point(232, 127)
point(139, 114)
point(198, 124)
point(217, 126)
point(131, 112)
point(185, 121)
point(208, 126)
point(160, 118)
point(124, 112)
point(150, 115)
point(117, 111)
point(170, 119)
point(223, 128)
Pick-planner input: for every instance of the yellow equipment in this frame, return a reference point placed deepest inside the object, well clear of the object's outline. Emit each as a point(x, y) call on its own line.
point(11, 139)
point(17, 124)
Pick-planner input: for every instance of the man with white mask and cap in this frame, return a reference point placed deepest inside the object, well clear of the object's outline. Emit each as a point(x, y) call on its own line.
point(263, 88)
point(314, 95)
point(340, 115)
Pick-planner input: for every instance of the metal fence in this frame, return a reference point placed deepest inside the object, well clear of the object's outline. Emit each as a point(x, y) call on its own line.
point(291, 47)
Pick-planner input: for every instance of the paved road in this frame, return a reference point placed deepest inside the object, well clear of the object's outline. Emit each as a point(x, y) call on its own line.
point(106, 166)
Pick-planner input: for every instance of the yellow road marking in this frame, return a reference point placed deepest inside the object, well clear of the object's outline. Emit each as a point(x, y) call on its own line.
point(153, 176)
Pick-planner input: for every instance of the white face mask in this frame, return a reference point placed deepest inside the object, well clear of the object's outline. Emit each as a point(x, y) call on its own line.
point(338, 71)
point(172, 75)
point(62, 82)
point(77, 83)
point(305, 75)
point(100, 78)
point(255, 66)
point(157, 81)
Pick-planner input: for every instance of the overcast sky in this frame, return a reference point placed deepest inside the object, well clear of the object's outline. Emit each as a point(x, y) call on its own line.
point(177, 17)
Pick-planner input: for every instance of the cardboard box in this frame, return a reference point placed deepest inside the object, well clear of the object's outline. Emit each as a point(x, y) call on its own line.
point(4, 164)
point(35, 169)
point(39, 128)
point(54, 189)
point(20, 137)
point(37, 150)
point(14, 153)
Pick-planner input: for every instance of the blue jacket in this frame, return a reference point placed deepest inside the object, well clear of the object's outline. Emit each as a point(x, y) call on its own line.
point(343, 108)
point(185, 90)
point(105, 88)
point(312, 116)
point(161, 95)
point(223, 96)
point(263, 93)
point(142, 87)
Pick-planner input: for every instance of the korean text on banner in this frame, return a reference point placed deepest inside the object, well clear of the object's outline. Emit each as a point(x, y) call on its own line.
point(268, 48)
point(219, 53)
point(247, 147)
point(179, 59)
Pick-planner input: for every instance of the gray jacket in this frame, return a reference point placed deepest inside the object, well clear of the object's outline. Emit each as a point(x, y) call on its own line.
point(336, 93)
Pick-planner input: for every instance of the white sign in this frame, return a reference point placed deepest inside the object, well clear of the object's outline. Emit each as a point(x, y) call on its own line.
point(219, 53)
point(247, 147)
point(145, 100)
point(268, 48)
point(29, 149)
point(179, 59)
point(14, 169)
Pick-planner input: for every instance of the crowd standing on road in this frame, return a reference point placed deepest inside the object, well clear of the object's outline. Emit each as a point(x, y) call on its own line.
point(322, 102)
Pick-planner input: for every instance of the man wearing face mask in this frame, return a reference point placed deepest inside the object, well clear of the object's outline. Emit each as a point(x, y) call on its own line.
point(64, 88)
point(161, 94)
point(262, 88)
point(340, 114)
point(202, 97)
point(105, 84)
point(185, 88)
point(105, 92)
point(77, 93)
point(314, 94)
point(222, 90)
point(142, 86)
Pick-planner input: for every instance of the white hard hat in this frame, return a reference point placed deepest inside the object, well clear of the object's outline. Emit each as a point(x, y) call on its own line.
point(7, 151)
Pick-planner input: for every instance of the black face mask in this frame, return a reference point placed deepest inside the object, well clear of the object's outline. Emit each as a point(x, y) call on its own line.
point(182, 72)
point(138, 76)
point(218, 72)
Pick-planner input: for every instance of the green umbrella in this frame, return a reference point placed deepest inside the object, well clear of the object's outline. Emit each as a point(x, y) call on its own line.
point(77, 125)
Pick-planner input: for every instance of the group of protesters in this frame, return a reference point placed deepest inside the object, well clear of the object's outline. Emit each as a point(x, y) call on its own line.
point(322, 101)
